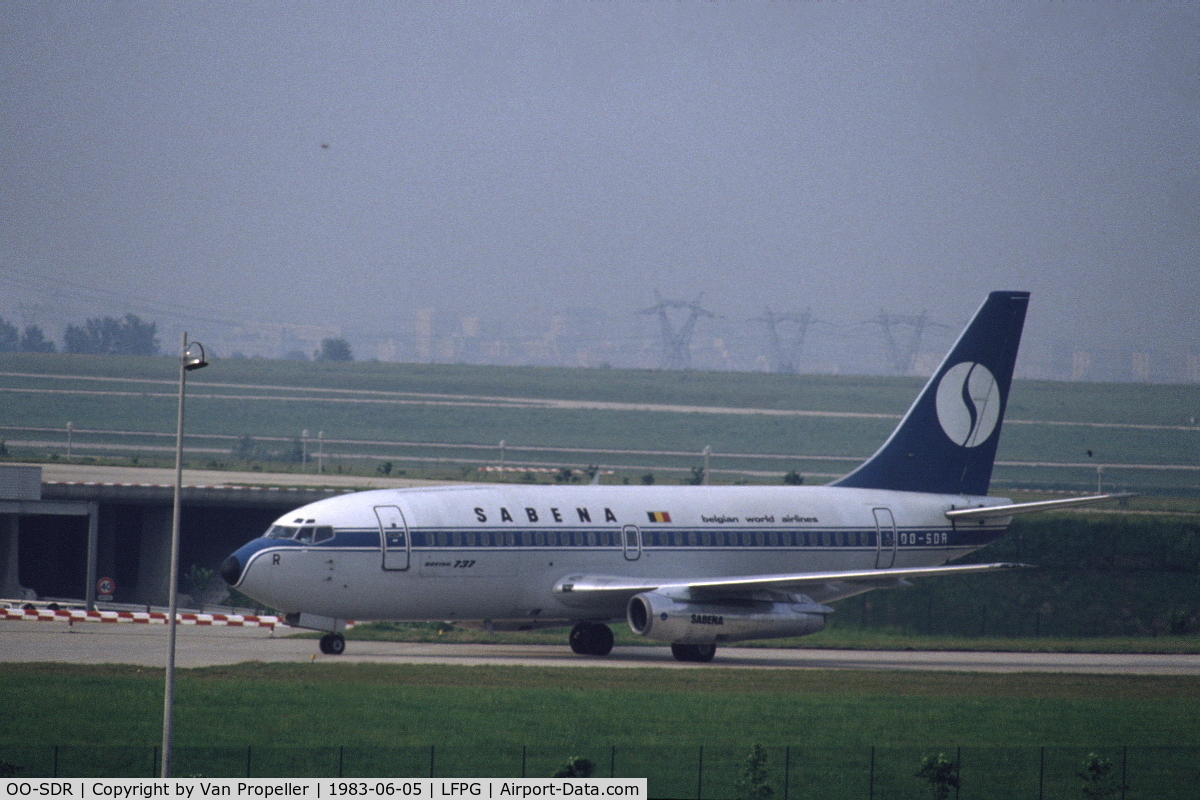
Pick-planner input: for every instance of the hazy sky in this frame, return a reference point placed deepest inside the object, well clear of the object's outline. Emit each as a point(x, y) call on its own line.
point(348, 164)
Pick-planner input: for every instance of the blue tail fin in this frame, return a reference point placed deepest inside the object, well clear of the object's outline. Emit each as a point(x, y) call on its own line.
point(946, 443)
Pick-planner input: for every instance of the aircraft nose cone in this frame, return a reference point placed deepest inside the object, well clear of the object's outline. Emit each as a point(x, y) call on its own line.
point(231, 570)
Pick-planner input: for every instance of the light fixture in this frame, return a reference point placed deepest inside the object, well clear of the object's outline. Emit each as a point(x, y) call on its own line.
point(193, 356)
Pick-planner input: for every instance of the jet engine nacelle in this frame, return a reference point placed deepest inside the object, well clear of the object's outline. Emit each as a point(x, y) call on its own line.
point(658, 616)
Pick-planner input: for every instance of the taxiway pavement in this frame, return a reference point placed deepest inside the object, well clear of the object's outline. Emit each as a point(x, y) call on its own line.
point(146, 645)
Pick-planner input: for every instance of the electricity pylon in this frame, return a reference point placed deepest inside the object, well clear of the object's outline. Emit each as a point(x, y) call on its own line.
point(677, 343)
point(903, 350)
point(786, 345)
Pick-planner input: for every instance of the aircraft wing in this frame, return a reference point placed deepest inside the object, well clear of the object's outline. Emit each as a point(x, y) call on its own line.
point(585, 590)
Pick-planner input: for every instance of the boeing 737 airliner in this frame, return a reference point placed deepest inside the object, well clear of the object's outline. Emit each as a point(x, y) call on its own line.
point(691, 565)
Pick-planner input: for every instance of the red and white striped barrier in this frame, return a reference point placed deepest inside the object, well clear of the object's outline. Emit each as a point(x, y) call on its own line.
point(144, 617)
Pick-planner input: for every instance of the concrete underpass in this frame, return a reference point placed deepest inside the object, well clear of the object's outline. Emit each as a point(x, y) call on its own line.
point(59, 538)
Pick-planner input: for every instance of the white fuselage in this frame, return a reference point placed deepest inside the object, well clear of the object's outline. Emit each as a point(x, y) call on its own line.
point(496, 552)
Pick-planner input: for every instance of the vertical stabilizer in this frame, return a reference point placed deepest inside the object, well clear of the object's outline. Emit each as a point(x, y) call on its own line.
point(946, 443)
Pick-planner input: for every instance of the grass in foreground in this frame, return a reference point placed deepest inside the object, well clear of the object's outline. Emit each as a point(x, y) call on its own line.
point(827, 734)
point(496, 707)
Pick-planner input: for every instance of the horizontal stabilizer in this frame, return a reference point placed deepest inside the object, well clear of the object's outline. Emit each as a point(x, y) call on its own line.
point(997, 512)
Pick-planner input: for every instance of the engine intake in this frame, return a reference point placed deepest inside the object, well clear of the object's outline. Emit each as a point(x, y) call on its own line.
point(657, 616)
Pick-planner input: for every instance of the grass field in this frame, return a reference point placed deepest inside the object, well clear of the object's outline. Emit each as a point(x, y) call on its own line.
point(1075, 425)
point(486, 721)
point(494, 707)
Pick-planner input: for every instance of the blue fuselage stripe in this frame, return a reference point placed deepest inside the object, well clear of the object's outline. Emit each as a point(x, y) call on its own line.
point(675, 539)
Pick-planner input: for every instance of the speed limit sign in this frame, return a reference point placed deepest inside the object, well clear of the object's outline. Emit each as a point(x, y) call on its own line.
point(106, 586)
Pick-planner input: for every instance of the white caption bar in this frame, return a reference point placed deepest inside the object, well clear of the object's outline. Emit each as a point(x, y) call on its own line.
point(321, 789)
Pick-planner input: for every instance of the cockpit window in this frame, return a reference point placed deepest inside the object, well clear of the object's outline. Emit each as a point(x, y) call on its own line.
point(302, 533)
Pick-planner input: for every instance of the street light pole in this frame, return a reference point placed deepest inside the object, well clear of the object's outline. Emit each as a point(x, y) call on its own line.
point(188, 361)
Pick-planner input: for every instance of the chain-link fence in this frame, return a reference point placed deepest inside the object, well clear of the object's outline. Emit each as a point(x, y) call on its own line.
point(789, 772)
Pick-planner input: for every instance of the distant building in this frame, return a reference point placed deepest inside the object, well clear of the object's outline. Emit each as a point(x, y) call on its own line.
point(272, 339)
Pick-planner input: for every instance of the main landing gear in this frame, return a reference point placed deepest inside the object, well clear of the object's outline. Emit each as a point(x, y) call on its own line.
point(591, 639)
point(333, 644)
point(702, 653)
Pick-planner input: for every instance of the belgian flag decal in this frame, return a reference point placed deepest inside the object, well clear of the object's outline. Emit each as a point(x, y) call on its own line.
point(659, 516)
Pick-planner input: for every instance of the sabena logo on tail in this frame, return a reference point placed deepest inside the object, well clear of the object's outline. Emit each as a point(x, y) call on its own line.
point(968, 403)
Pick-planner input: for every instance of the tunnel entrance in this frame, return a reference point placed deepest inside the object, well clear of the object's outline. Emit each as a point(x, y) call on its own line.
point(53, 560)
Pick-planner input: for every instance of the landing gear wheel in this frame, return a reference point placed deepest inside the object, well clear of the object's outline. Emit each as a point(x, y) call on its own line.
point(333, 644)
point(701, 653)
point(578, 639)
point(591, 639)
point(600, 640)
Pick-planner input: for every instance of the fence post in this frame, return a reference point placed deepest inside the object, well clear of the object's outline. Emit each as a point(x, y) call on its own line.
point(1124, 762)
point(958, 770)
point(871, 779)
point(787, 762)
point(1041, 772)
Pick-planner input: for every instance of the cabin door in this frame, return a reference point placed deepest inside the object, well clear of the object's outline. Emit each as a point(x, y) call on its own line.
point(393, 537)
point(885, 538)
point(631, 539)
